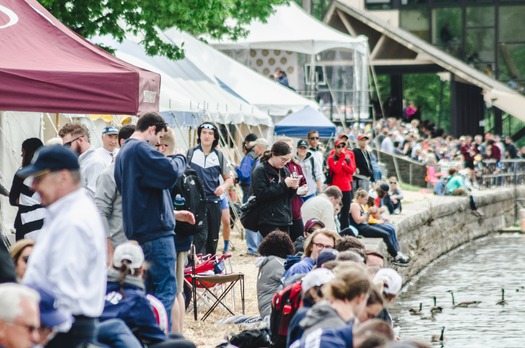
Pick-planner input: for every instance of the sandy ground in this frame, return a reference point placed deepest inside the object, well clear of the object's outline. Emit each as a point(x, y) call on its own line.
point(209, 333)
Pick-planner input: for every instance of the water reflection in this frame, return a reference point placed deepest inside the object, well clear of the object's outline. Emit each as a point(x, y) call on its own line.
point(476, 272)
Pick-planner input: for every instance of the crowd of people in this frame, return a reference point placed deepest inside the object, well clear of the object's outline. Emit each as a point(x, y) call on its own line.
point(103, 239)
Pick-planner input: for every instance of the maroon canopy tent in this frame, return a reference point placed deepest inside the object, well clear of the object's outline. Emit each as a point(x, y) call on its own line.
point(46, 67)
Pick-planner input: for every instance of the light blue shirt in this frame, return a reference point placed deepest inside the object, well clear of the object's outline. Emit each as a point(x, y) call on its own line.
point(91, 165)
point(69, 257)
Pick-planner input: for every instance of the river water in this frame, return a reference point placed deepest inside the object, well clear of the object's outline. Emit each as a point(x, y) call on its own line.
point(475, 272)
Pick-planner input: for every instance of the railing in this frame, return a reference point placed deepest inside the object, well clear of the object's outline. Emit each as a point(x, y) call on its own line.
point(509, 172)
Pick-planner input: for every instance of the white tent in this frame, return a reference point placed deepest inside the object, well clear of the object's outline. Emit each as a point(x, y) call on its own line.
point(185, 88)
point(290, 28)
point(240, 80)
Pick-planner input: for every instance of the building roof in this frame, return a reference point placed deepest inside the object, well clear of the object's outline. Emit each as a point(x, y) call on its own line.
point(390, 45)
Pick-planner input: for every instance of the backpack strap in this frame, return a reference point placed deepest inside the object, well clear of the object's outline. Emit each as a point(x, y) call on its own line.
point(312, 161)
point(220, 155)
point(189, 155)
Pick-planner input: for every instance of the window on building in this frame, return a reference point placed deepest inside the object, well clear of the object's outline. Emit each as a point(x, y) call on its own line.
point(416, 22)
point(511, 45)
point(480, 37)
point(446, 29)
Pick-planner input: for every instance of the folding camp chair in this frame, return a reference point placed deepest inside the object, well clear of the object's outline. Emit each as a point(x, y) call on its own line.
point(208, 276)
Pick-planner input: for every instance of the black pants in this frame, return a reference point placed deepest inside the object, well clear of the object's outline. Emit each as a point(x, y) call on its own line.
point(207, 239)
point(297, 229)
point(82, 333)
point(265, 229)
point(245, 193)
point(345, 209)
point(373, 232)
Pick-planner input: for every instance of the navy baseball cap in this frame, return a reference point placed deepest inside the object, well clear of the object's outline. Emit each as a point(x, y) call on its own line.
point(302, 143)
point(326, 255)
point(50, 315)
point(110, 130)
point(50, 159)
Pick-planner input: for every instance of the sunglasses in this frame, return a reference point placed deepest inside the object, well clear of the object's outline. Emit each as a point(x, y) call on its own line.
point(208, 126)
point(314, 138)
point(69, 143)
point(340, 146)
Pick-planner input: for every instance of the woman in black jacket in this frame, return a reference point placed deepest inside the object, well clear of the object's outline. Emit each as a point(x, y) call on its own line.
point(273, 187)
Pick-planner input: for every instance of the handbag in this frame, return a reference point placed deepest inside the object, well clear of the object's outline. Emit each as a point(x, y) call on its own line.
point(250, 214)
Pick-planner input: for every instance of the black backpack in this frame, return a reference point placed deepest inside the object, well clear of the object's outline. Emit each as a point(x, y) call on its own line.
point(189, 186)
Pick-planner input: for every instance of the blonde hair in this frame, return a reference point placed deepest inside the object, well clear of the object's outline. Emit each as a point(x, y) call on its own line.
point(348, 284)
point(309, 241)
point(360, 193)
point(169, 139)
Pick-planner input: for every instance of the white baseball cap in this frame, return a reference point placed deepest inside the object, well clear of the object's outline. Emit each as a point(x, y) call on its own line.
point(130, 251)
point(317, 277)
point(391, 279)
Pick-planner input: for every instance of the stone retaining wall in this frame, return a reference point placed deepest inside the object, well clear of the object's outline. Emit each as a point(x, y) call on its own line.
point(430, 228)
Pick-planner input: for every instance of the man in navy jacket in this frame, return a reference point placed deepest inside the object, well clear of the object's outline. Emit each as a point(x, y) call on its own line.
point(144, 177)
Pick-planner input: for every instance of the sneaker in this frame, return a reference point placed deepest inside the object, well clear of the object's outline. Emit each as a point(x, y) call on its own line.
point(401, 260)
point(400, 254)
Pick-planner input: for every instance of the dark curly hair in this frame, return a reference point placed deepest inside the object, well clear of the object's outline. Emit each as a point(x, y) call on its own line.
point(277, 243)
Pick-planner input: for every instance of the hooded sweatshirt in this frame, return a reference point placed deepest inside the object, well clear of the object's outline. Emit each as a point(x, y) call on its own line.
point(271, 270)
point(133, 308)
point(321, 315)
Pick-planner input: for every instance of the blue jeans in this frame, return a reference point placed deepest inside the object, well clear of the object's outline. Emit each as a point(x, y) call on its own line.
point(82, 332)
point(160, 278)
point(253, 239)
point(305, 198)
point(116, 334)
point(391, 230)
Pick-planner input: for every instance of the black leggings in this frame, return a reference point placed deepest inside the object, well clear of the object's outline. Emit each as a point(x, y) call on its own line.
point(297, 229)
point(373, 232)
point(345, 209)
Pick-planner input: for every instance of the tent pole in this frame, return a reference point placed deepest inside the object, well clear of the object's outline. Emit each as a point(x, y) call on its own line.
point(180, 128)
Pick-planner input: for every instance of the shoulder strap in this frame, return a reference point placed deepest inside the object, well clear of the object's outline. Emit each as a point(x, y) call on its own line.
point(220, 155)
point(190, 155)
point(312, 161)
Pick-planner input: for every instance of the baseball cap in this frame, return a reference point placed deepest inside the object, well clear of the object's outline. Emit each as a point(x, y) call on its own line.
point(261, 142)
point(362, 136)
point(391, 279)
point(384, 187)
point(310, 223)
point(130, 251)
point(50, 315)
point(342, 135)
point(110, 130)
point(339, 141)
point(326, 255)
point(250, 137)
point(302, 143)
point(50, 158)
point(317, 277)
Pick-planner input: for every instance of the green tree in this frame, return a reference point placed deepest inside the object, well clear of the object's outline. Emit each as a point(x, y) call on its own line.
point(425, 91)
point(217, 18)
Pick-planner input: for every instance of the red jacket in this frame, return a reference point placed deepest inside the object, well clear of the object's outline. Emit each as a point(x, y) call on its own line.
point(342, 170)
